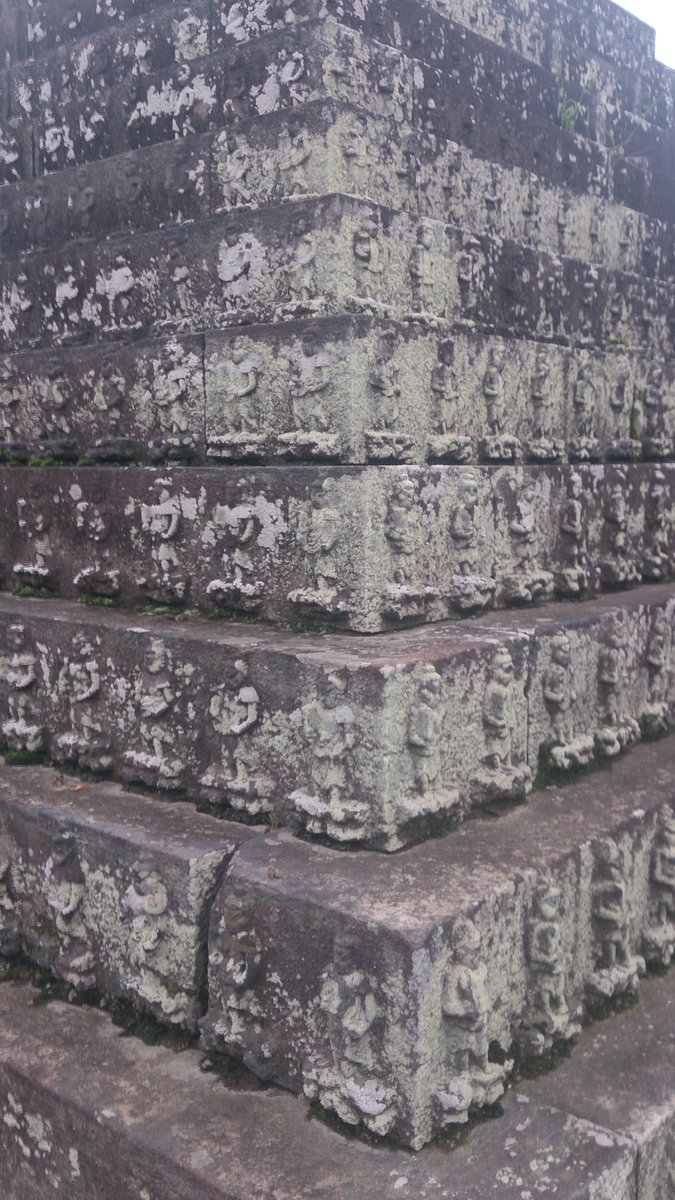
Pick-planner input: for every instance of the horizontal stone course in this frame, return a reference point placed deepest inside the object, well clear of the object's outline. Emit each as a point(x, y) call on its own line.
point(374, 742)
point(350, 389)
point(382, 988)
point(110, 891)
point(359, 548)
point(320, 148)
point(67, 1073)
point(279, 262)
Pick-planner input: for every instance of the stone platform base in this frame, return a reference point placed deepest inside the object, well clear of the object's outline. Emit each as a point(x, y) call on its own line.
point(90, 1114)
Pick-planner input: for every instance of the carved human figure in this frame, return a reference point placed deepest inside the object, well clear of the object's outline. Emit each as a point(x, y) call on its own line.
point(493, 200)
point(353, 146)
point(622, 403)
point(422, 269)
point(542, 446)
point(237, 529)
point(330, 736)
point(368, 260)
point(108, 398)
point(311, 383)
point(34, 513)
point(55, 405)
point(471, 589)
point(654, 409)
point(241, 382)
point(526, 581)
point(656, 557)
point(568, 748)
point(146, 901)
point(424, 739)
point(155, 761)
point(171, 397)
point(498, 446)
point(319, 534)
point(82, 202)
point(22, 729)
point(79, 682)
point(161, 522)
point(10, 942)
point(65, 893)
point(584, 445)
point(548, 1016)
point(294, 158)
point(465, 1004)
point(95, 521)
point(453, 186)
point(234, 170)
point(617, 567)
point(385, 387)
point(659, 940)
point(446, 444)
point(499, 777)
point(468, 273)
point(618, 729)
point(616, 967)
point(532, 211)
point(573, 577)
point(240, 949)
point(303, 272)
point(9, 403)
point(237, 777)
point(656, 717)
point(347, 1076)
point(400, 528)
point(128, 190)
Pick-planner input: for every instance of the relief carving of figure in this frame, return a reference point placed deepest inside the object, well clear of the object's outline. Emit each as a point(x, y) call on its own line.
point(618, 729)
point(34, 513)
point(568, 748)
point(12, 445)
point(369, 266)
point(171, 406)
point(10, 942)
point(146, 901)
point(108, 401)
point(498, 446)
point(22, 730)
point(79, 682)
point(55, 400)
point(471, 589)
point(242, 409)
point(155, 762)
point(499, 776)
point(573, 577)
point(659, 941)
point(320, 536)
point(237, 778)
point(311, 389)
point(655, 441)
point(233, 171)
point(526, 582)
point(424, 741)
point(623, 446)
point(547, 1018)
point(445, 444)
point(95, 521)
point(66, 891)
point(584, 445)
point(329, 734)
point(240, 965)
point(656, 717)
point(471, 1079)
point(617, 968)
point(543, 446)
point(423, 273)
point(237, 530)
point(656, 554)
point(355, 155)
point(618, 565)
point(165, 583)
point(294, 159)
point(384, 441)
point(404, 597)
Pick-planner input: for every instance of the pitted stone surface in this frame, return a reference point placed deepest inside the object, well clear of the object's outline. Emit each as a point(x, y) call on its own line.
point(367, 741)
point(381, 986)
point(110, 891)
point(105, 1116)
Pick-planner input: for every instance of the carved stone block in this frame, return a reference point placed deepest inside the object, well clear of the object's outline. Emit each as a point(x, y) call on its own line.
point(403, 1015)
point(109, 891)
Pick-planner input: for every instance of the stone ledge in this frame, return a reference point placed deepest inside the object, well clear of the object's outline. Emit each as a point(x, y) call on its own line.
point(374, 741)
point(85, 1108)
point(398, 991)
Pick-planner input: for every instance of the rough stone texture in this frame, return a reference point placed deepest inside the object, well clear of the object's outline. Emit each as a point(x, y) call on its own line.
point(103, 1116)
point(323, 257)
point(365, 549)
point(341, 389)
point(381, 986)
point(622, 1077)
point(111, 891)
point(371, 741)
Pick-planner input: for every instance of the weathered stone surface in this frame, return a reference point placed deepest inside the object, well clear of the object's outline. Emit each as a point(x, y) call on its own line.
point(279, 262)
point(361, 548)
point(343, 389)
point(108, 890)
point(371, 742)
point(622, 1077)
point(105, 1116)
point(396, 991)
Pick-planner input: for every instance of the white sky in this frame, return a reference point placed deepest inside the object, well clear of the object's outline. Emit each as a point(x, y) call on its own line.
point(661, 15)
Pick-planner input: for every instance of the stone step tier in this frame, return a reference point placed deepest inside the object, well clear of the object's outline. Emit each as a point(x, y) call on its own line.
point(359, 548)
point(373, 742)
point(351, 390)
point(394, 992)
point(278, 263)
point(96, 1113)
point(323, 147)
point(67, 110)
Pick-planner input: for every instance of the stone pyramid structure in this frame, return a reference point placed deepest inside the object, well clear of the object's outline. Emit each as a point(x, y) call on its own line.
point(337, 403)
